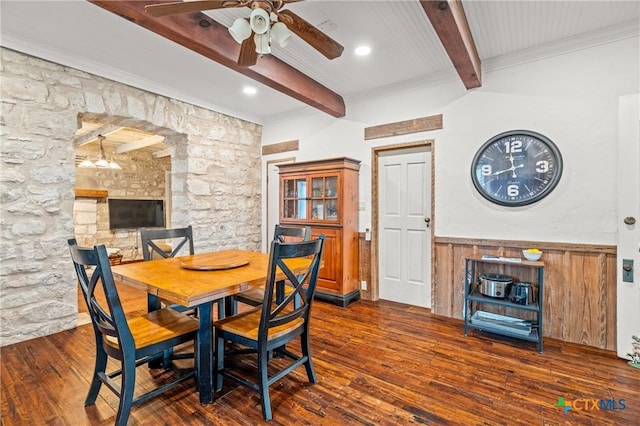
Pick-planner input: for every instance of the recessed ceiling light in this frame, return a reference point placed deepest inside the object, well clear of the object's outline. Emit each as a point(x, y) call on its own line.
point(362, 50)
point(249, 90)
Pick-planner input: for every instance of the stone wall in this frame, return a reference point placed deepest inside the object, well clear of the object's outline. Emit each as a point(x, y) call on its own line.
point(215, 173)
point(142, 177)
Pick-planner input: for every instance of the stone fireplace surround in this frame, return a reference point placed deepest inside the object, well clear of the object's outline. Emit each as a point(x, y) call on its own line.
point(215, 174)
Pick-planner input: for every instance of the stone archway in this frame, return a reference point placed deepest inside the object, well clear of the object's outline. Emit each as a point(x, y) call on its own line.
point(215, 181)
point(142, 176)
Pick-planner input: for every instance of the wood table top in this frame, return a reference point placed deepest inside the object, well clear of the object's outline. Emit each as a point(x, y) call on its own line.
point(169, 280)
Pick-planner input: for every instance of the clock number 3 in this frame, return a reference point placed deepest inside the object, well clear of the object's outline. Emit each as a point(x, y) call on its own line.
point(542, 166)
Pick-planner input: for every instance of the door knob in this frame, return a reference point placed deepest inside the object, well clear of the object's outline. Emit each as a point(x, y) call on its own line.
point(427, 220)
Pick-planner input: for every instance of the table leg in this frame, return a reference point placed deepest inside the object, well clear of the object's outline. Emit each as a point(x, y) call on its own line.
point(153, 302)
point(204, 354)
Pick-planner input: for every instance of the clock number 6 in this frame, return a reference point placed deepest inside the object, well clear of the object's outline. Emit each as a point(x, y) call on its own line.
point(513, 190)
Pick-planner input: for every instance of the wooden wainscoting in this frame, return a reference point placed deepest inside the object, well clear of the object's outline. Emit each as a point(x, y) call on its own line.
point(579, 303)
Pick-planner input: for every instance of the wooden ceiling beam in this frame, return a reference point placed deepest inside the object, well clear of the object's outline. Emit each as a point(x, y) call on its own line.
point(92, 136)
point(200, 33)
point(139, 144)
point(450, 22)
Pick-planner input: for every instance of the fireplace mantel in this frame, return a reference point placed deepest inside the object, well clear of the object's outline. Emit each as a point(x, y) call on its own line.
point(92, 193)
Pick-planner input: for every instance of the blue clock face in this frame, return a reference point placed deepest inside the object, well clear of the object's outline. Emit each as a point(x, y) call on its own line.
point(516, 168)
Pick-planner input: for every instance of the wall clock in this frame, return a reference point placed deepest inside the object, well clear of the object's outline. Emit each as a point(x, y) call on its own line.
point(516, 168)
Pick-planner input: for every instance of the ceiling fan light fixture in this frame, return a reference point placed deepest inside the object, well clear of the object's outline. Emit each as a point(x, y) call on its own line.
point(280, 34)
point(240, 30)
point(259, 21)
point(263, 46)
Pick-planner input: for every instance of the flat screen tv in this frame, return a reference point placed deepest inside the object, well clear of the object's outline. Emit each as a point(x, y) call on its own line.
point(127, 214)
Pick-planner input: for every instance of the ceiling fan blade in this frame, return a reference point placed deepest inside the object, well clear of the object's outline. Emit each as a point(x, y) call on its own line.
point(164, 9)
point(316, 38)
point(248, 55)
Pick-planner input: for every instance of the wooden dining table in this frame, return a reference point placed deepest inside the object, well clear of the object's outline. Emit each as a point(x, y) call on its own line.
point(197, 281)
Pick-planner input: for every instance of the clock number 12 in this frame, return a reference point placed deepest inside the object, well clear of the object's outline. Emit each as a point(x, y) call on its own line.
point(513, 146)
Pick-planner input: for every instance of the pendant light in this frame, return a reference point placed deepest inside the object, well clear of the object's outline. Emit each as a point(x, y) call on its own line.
point(101, 162)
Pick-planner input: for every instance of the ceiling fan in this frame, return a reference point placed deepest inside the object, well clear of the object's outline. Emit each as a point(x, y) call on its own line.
point(260, 24)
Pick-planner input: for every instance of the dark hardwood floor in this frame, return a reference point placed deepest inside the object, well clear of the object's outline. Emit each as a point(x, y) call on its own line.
point(378, 363)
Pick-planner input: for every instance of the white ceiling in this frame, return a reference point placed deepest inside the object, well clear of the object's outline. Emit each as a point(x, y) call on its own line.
point(406, 51)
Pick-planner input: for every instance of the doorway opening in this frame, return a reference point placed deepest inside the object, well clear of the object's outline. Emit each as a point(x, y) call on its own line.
point(272, 196)
point(143, 161)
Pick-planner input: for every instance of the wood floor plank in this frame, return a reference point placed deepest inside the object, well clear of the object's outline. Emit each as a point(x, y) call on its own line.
point(378, 363)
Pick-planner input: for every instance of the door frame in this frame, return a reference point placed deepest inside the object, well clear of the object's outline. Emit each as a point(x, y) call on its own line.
point(375, 154)
point(268, 232)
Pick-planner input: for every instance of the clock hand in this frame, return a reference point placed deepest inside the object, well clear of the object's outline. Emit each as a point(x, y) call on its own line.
point(502, 171)
point(513, 170)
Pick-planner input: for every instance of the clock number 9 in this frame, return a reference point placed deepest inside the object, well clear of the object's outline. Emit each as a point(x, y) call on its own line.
point(513, 146)
point(542, 166)
point(486, 170)
point(513, 190)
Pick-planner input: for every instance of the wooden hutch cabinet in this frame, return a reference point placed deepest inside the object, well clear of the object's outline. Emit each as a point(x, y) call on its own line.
point(323, 194)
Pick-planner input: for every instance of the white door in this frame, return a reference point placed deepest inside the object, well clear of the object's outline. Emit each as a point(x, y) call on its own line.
point(404, 212)
point(628, 306)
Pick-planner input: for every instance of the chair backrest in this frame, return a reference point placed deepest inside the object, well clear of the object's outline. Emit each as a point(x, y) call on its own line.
point(291, 233)
point(108, 319)
point(297, 303)
point(151, 237)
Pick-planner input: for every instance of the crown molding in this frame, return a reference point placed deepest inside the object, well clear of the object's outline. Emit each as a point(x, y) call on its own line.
point(607, 35)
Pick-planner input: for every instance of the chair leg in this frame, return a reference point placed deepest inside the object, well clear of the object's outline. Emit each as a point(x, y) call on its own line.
point(166, 358)
point(263, 377)
point(100, 367)
point(126, 391)
point(306, 351)
point(219, 362)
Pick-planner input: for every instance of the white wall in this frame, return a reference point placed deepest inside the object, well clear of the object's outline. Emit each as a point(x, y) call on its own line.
point(571, 98)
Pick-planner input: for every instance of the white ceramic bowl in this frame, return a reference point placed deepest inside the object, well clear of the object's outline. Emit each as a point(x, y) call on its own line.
point(532, 256)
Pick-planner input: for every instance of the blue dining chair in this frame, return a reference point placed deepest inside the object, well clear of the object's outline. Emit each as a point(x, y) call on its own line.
point(282, 233)
point(130, 341)
point(271, 326)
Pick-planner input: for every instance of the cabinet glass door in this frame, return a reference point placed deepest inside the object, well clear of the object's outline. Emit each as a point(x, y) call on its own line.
point(324, 198)
point(295, 198)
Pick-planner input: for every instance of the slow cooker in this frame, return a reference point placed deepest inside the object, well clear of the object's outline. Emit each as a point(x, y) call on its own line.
point(494, 285)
